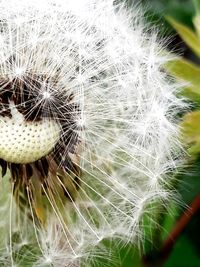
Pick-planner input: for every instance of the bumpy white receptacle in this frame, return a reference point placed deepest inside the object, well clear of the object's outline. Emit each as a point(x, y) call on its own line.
point(25, 141)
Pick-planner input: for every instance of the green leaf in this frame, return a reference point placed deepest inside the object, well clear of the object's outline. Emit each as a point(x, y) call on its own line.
point(155, 10)
point(188, 72)
point(188, 36)
point(196, 22)
point(197, 6)
point(189, 187)
point(183, 254)
point(184, 70)
point(191, 131)
point(169, 220)
point(192, 93)
point(120, 255)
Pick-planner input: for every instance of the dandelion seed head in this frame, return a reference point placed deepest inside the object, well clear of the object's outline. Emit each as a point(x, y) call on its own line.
point(87, 77)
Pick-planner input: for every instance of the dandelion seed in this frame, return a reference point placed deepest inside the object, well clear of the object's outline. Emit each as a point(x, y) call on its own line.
point(87, 124)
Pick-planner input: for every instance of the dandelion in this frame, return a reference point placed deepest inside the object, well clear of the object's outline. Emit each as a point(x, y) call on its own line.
point(87, 125)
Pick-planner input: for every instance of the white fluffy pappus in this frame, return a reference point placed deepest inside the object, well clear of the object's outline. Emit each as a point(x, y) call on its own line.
point(105, 57)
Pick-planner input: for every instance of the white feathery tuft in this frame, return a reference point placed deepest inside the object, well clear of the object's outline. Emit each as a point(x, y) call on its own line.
point(113, 65)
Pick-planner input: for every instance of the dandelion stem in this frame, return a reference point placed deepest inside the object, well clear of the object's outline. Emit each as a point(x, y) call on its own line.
point(168, 245)
point(179, 227)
